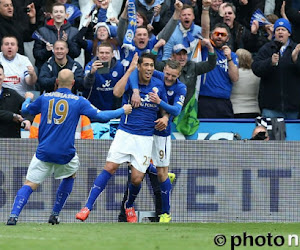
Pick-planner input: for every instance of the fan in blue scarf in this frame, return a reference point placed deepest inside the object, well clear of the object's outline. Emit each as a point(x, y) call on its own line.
point(188, 38)
point(128, 47)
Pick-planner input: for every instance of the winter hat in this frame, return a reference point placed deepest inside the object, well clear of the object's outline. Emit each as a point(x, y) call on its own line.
point(282, 22)
point(112, 30)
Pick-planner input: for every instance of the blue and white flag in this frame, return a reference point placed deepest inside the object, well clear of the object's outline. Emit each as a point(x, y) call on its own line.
point(128, 44)
point(72, 12)
point(260, 17)
point(37, 36)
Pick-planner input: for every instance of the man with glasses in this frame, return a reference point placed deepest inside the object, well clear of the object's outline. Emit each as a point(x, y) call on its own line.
point(240, 35)
point(216, 85)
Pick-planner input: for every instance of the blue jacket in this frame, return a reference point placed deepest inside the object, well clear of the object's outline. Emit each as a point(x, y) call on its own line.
point(99, 87)
point(176, 38)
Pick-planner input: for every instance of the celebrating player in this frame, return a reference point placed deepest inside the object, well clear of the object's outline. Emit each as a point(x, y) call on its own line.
point(60, 112)
point(135, 130)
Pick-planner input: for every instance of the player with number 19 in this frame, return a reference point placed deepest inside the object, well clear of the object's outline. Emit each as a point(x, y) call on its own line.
point(60, 112)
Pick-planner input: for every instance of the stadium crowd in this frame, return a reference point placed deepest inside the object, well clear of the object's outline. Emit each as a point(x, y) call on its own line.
point(41, 37)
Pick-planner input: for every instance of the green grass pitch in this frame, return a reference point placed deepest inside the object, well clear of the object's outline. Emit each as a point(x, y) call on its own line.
point(141, 236)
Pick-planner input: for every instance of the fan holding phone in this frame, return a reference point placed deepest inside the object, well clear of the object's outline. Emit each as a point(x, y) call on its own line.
point(101, 75)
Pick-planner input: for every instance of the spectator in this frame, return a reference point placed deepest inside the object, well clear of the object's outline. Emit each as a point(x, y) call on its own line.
point(73, 12)
point(56, 28)
point(185, 33)
point(20, 74)
point(261, 35)
point(143, 42)
point(59, 61)
point(21, 14)
point(96, 15)
point(101, 75)
point(10, 105)
point(240, 35)
point(244, 94)
point(214, 16)
point(278, 65)
point(103, 33)
point(215, 91)
point(156, 11)
point(16, 27)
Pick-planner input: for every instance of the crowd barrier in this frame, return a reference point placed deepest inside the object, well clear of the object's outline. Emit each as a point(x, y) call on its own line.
point(217, 181)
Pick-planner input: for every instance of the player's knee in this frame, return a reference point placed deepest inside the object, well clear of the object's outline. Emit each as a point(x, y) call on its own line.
point(136, 180)
point(33, 186)
point(111, 167)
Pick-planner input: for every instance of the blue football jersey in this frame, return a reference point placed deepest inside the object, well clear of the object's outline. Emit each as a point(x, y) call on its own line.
point(176, 96)
point(141, 120)
point(60, 112)
point(101, 94)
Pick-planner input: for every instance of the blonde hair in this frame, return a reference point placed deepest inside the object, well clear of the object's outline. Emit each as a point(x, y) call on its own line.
point(245, 58)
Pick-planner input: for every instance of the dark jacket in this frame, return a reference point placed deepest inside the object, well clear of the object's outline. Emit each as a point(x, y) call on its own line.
point(10, 103)
point(294, 17)
point(13, 27)
point(50, 33)
point(280, 85)
point(165, 15)
point(50, 70)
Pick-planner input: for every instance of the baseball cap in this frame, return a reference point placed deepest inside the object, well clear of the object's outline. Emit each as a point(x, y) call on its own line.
point(179, 47)
point(282, 22)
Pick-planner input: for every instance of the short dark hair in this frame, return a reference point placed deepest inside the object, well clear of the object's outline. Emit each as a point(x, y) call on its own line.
point(222, 25)
point(146, 55)
point(58, 4)
point(143, 27)
point(9, 36)
point(1, 67)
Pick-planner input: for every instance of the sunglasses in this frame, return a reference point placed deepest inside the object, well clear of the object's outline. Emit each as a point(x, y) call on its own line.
point(216, 33)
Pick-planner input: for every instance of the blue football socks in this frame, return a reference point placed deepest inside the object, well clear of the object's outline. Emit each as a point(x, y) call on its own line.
point(21, 200)
point(152, 169)
point(99, 185)
point(63, 191)
point(133, 192)
point(165, 188)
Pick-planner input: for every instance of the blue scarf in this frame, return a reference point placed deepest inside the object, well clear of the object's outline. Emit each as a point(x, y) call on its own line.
point(188, 37)
point(128, 47)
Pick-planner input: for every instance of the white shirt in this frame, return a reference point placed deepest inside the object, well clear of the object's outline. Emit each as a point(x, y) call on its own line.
point(15, 72)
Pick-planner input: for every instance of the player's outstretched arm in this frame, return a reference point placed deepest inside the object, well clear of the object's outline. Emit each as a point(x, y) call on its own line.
point(106, 115)
point(28, 97)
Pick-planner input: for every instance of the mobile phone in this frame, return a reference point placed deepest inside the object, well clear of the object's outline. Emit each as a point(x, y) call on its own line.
point(104, 69)
point(26, 9)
